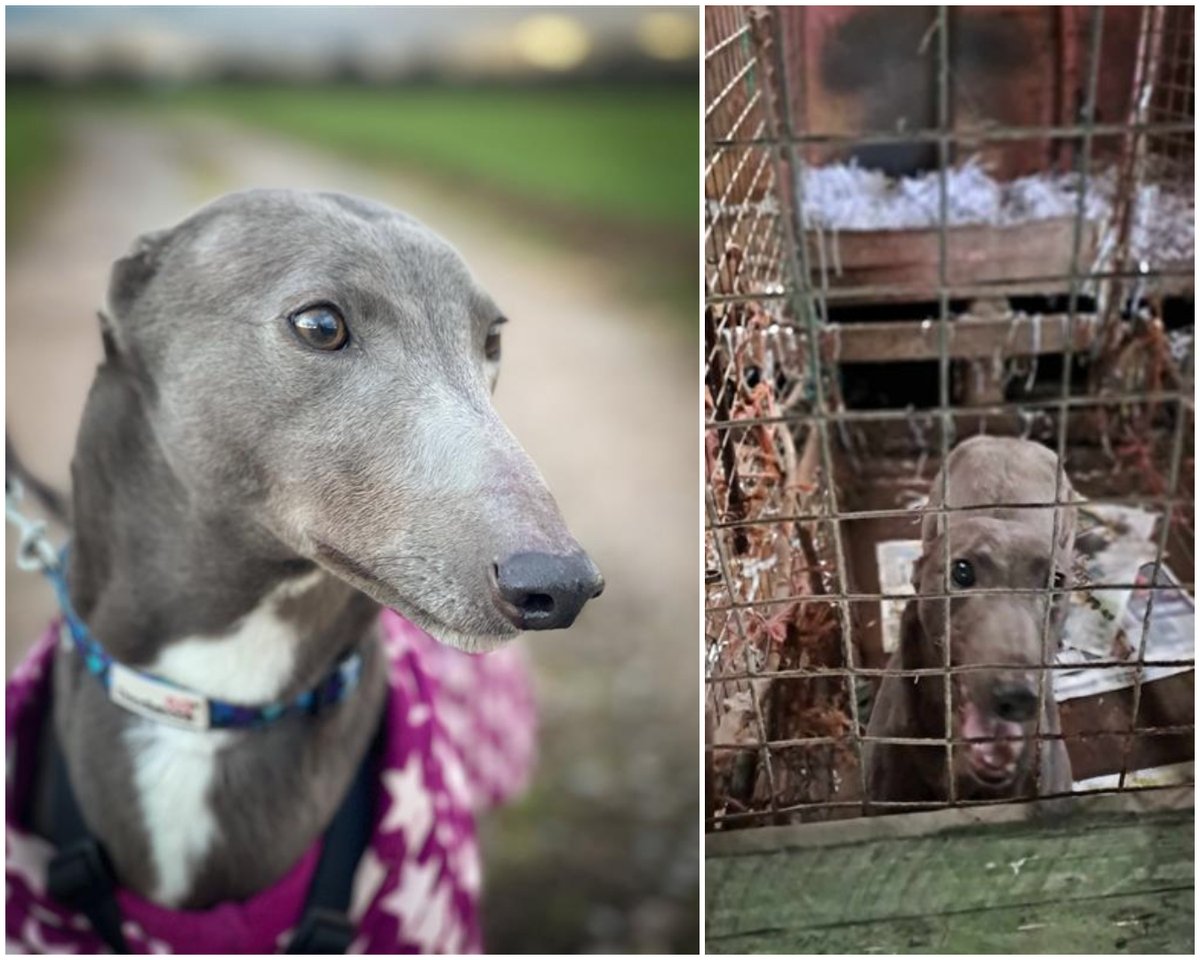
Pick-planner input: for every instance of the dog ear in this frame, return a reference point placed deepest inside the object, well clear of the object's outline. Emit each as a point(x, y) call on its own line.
point(912, 636)
point(133, 272)
point(916, 571)
point(1068, 519)
point(108, 337)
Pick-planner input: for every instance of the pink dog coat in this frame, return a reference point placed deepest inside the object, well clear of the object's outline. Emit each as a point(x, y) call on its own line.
point(459, 737)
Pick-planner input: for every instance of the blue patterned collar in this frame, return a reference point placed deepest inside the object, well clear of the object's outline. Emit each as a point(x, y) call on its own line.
point(160, 699)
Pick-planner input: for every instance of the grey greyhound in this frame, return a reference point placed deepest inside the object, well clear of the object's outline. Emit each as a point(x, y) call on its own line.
point(997, 709)
point(292, 426)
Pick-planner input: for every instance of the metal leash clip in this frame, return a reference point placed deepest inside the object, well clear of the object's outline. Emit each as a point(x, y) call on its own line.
point(35, 553)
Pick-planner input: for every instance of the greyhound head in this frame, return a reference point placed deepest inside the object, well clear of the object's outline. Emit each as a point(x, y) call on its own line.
point(321, 366)
point(995, 547)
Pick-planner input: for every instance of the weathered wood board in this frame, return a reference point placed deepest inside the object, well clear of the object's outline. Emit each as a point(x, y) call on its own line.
point(898, 265)
point(1112, 874)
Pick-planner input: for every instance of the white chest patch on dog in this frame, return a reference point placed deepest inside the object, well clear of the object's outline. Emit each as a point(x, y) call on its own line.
point(173, 772)
point(174, 769)
point(252, 663)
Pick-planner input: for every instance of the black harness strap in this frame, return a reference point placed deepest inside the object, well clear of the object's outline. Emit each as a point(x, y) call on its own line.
point(324, 925)
point(81, 877)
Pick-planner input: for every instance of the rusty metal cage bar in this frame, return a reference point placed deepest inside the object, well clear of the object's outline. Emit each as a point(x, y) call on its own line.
point(939, 595)
point(943, 147)
point(1108, 400)
point(1159, 550)
point(812, 308)
point(965, 137)
point(899, 512)
point(962, 291)
point(747, 649)
point(760, 270)
point(1147, 84)
point(926, 672)
point(915, 806)
point(927, 741)
point(1083, 163)
point(730, 61)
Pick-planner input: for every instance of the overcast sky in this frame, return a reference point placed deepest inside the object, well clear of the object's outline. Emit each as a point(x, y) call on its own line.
point(180, 41)
point(273, 29)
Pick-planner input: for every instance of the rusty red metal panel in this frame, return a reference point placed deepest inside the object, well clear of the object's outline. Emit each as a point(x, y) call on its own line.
point(1004, 68)
point(857, 69)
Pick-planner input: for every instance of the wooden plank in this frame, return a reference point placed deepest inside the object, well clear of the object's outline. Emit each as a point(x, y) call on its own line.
point(1137, 924)
point(1089, 878)
point(969, 338)
point(1174, 280)
point(1168, 702)
point(1015, 256)
point(736, 843)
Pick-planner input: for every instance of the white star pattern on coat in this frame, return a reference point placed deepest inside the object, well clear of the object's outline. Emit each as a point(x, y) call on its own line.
point(27, 857)
point(421, 912)
point(435, 923)
point(456, 721)
point(31, 936)
point(418, 714)
point(412, 903)
point(466, 867)
point(368, 878)
point(134, 935)
point(402, 680)
point(447, 835)
point(49, 918)
point(411, 806)
point(455, 940)
point(30, 669)
point(452, 774)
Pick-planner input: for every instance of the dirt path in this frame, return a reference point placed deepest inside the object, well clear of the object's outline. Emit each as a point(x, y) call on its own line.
point(602, 392)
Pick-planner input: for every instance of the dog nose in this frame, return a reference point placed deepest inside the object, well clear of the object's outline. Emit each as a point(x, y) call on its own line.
point(542, 591)
point(1015, 702)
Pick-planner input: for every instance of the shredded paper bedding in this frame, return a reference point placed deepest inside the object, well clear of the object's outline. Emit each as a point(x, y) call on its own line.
point(847, 197)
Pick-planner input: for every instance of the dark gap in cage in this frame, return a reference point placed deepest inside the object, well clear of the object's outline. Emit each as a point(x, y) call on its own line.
point(915, 384)
point(889, 312)
point(1054, 303)
point(872, 386)
point(1179, 314)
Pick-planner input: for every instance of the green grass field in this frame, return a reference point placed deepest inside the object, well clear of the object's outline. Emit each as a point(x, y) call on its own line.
point(33, 150)
point(623, 155)
point(616, 164)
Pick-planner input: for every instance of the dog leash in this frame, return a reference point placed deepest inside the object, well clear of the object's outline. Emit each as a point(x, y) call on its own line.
point(145, 693)
point(35, 553)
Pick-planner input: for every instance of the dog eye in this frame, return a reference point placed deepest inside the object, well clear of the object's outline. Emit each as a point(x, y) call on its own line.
point(962, 573)
point(321, 327)
point(1060, 580)
point(491, 346)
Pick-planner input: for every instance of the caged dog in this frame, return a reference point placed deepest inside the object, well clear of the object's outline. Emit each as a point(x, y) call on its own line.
point(292, 498)
point(996, 710)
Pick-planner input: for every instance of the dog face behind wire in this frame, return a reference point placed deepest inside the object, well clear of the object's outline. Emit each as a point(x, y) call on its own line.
point(1017, 552)
point(320, 367)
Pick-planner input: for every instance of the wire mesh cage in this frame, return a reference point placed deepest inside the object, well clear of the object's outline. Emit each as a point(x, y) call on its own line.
point(924, 225)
